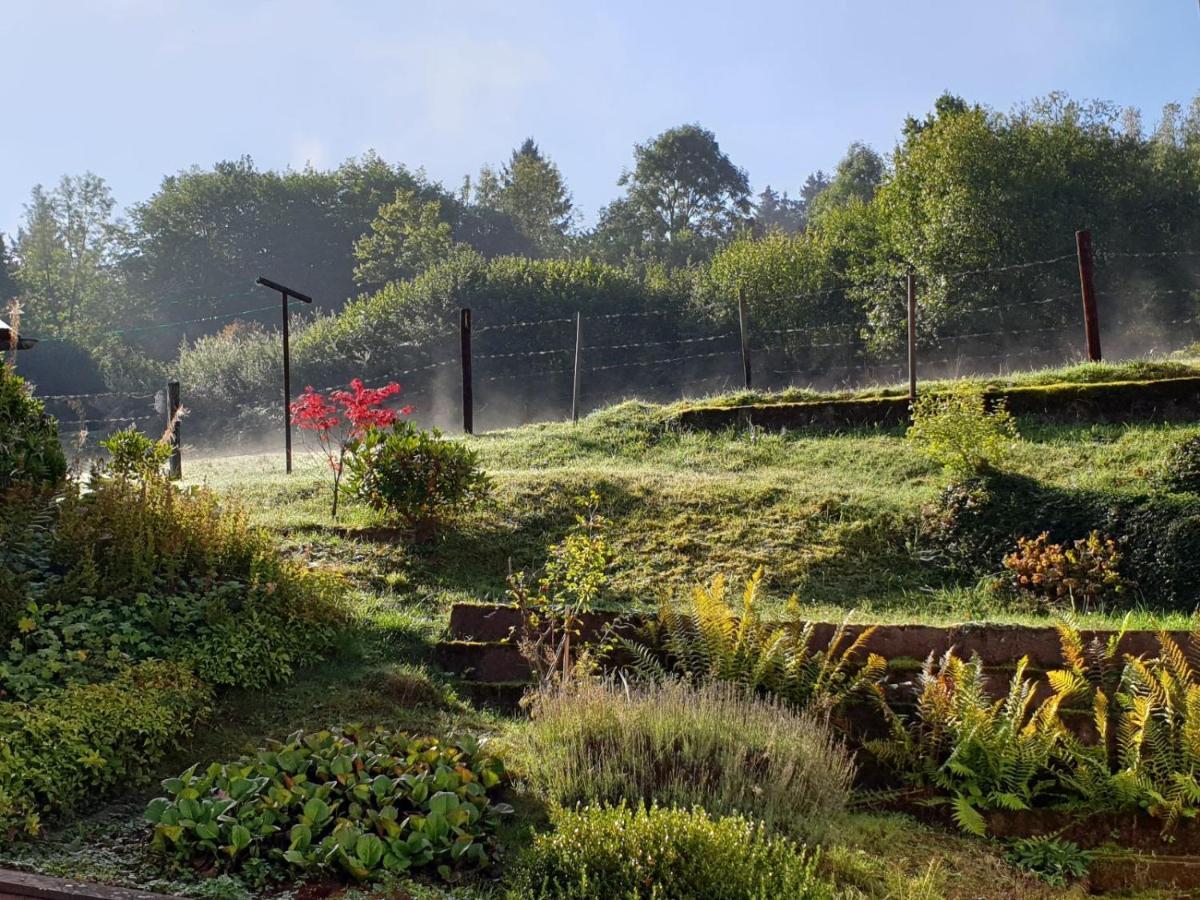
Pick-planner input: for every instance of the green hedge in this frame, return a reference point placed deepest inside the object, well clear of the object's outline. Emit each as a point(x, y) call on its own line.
point(67, 748)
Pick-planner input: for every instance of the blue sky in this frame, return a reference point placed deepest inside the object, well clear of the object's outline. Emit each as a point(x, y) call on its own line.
point(134, 89)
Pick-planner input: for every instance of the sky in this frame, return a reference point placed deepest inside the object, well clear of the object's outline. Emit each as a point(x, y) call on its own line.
point(136, 89)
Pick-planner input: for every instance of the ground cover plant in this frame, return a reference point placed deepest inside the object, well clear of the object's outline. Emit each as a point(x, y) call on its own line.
point(359, 802)
point(619, 851)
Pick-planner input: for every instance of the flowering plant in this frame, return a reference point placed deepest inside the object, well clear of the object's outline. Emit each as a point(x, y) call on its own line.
point(341, 418)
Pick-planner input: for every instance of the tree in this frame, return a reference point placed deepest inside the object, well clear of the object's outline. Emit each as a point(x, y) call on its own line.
point(682, 198)
point(530, 190)
point(406, 238)
point(67, 253)
point(194, 248)
point(775, 212)
point(856, 178)
point(8, 277)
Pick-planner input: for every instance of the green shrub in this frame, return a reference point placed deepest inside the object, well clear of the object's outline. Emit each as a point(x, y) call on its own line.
point(572, 581)
point(711, 641)
point(1181, 471)
point(1084, 573)
point(415, 476)
point(29, 449)
point(958, 432)
point(671, 854)
point(975, 523)
point(715, 747)
point(134, 455)
point(367, 803)
point(129, 571)
point(1054, 861)
point(74, 745)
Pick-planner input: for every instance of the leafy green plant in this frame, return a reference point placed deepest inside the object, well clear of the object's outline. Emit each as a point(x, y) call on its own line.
point(134, 455)
point(958, 431)
point(715, 746)
point(1085, 572)
point(29, 449)
point(711, 641)
point(981, 754)
point(71, 746)
point(552, 605)
point(361, 802)
point(129, 571)
point(413, 475)
point(1056, 862)
point(602, 852)
point(1181, 470)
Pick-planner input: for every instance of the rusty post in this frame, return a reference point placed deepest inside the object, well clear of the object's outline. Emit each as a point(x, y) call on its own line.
point(1087, 286)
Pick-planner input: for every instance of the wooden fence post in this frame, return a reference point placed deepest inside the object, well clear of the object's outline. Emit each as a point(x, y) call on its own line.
point(575, 379)
point(175, 463)
point(1087, 286)
point(742, 324)
point(468, 399)
point(912, 337)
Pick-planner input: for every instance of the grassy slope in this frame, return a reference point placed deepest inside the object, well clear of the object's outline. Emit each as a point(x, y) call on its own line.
point(831, 517)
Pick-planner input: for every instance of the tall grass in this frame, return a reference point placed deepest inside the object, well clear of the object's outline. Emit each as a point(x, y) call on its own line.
point(716, 747)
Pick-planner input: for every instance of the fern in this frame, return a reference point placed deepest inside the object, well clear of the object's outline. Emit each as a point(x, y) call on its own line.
point(710, 640)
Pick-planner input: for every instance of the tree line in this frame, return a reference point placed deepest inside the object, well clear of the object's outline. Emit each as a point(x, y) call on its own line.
point(965, 188)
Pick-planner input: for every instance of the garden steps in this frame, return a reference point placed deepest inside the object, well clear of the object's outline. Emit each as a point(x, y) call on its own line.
point(16, 885)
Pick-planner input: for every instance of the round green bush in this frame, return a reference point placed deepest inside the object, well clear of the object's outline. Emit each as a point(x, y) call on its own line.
point(1181, 472)
point(414, 476)
point(29, 449)
point(602, 853)
point(717, 747)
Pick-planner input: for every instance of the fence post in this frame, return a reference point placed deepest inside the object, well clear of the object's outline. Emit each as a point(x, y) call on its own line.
point(912, 337)
point(742, 323)
point(1087, 286)
point(575, 379)
point(468, 399)
point(175, 463)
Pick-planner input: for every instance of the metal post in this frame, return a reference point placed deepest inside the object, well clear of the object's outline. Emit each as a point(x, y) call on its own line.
point(175, 463)
point(912, 337)
point(575, 379)
point(285, 293)
point(742, 322)
point(1087, 285)
point(468, 400)
point(287, 387)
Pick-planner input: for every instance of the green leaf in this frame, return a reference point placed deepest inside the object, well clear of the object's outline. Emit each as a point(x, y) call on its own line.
point(239, 838)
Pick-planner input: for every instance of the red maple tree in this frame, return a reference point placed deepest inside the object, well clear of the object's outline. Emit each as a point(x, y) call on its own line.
point(341, 417)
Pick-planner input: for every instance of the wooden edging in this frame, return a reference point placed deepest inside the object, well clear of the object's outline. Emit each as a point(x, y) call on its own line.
point(14, 884)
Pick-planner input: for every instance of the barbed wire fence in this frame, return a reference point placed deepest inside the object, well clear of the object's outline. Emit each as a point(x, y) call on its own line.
point(995, 320)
